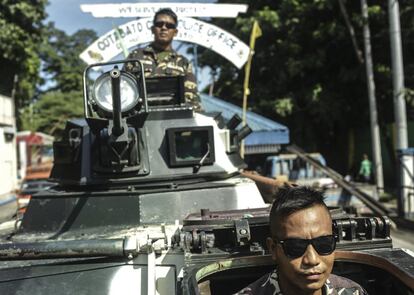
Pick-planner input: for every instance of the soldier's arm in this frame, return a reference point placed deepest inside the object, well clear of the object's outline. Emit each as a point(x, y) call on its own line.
point(190, 89)
point(132, 66)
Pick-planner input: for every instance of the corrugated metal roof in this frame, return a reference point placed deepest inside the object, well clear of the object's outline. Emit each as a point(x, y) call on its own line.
point(267, 135)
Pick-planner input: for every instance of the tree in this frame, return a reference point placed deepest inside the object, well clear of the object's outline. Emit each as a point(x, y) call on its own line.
point(20, 37)
point(61, 97)
point(50, 113)
point(60, 55)
point(305, 72)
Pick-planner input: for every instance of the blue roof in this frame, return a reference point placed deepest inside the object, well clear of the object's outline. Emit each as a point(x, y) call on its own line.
point(406, 152)
point(267, 135)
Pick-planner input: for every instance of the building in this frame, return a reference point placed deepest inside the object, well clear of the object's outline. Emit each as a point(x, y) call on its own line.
point(8, 154)
point(267, 135)
point(266, 138)
point(35, 154)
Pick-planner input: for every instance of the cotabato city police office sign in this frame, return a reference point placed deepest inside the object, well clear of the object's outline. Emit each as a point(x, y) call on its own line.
point(190, 30)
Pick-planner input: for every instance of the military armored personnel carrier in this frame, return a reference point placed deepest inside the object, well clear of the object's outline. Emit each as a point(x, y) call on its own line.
point(150, 201)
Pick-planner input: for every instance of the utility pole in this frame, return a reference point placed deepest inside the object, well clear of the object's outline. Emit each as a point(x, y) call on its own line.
point(375, 134)
point(398, 95)
point(397, 74)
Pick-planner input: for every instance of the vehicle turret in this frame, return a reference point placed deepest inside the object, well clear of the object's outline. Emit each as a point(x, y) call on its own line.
point(129, 124)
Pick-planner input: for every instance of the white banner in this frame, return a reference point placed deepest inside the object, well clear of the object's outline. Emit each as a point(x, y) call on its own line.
point(190, 30)
point(149, 9)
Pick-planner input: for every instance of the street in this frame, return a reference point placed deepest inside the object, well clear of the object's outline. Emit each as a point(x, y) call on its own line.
point(402, 238)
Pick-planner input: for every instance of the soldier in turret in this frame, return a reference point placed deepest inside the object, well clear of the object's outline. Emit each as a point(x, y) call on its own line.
point(159, 58)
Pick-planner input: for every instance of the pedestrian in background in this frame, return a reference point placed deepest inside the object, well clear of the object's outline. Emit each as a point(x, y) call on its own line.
point(365, 170)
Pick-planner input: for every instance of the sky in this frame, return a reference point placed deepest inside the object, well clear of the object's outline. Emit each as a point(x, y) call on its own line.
point(67, 16)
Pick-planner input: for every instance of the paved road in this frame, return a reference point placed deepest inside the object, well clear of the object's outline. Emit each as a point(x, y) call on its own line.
point(402, 238)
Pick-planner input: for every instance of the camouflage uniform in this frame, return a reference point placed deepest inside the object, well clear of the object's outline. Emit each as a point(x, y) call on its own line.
point(334, 285)
point(173, 64)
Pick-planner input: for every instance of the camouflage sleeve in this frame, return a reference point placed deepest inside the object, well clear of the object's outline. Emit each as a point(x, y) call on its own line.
point(190, 89)
point(343, 286)
point(132, 67)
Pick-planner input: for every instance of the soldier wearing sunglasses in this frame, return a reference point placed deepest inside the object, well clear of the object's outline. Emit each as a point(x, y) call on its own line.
point(159, 58)
point(302, 245)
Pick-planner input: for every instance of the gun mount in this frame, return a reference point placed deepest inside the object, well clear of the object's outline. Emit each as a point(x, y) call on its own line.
point(132, 175)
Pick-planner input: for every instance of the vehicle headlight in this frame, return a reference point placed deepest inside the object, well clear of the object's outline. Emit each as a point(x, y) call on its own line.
point(102, 92)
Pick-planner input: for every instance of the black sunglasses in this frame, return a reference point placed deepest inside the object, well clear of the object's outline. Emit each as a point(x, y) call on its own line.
point(295, 248)
point(167, 25)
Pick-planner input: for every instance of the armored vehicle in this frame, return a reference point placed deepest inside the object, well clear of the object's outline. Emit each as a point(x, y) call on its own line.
point(150, 200)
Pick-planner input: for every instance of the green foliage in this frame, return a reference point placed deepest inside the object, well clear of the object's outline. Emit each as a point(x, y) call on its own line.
point(51, 111)
point(305, 72)
point(283, 106)
point(20, 36)
point(60, 56)
point(62, 69)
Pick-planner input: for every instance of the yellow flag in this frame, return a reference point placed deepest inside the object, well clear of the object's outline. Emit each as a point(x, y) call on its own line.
point(256, 33)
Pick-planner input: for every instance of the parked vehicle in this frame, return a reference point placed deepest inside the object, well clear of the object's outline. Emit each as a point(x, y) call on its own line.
point(294, 169)
point(36, 180)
